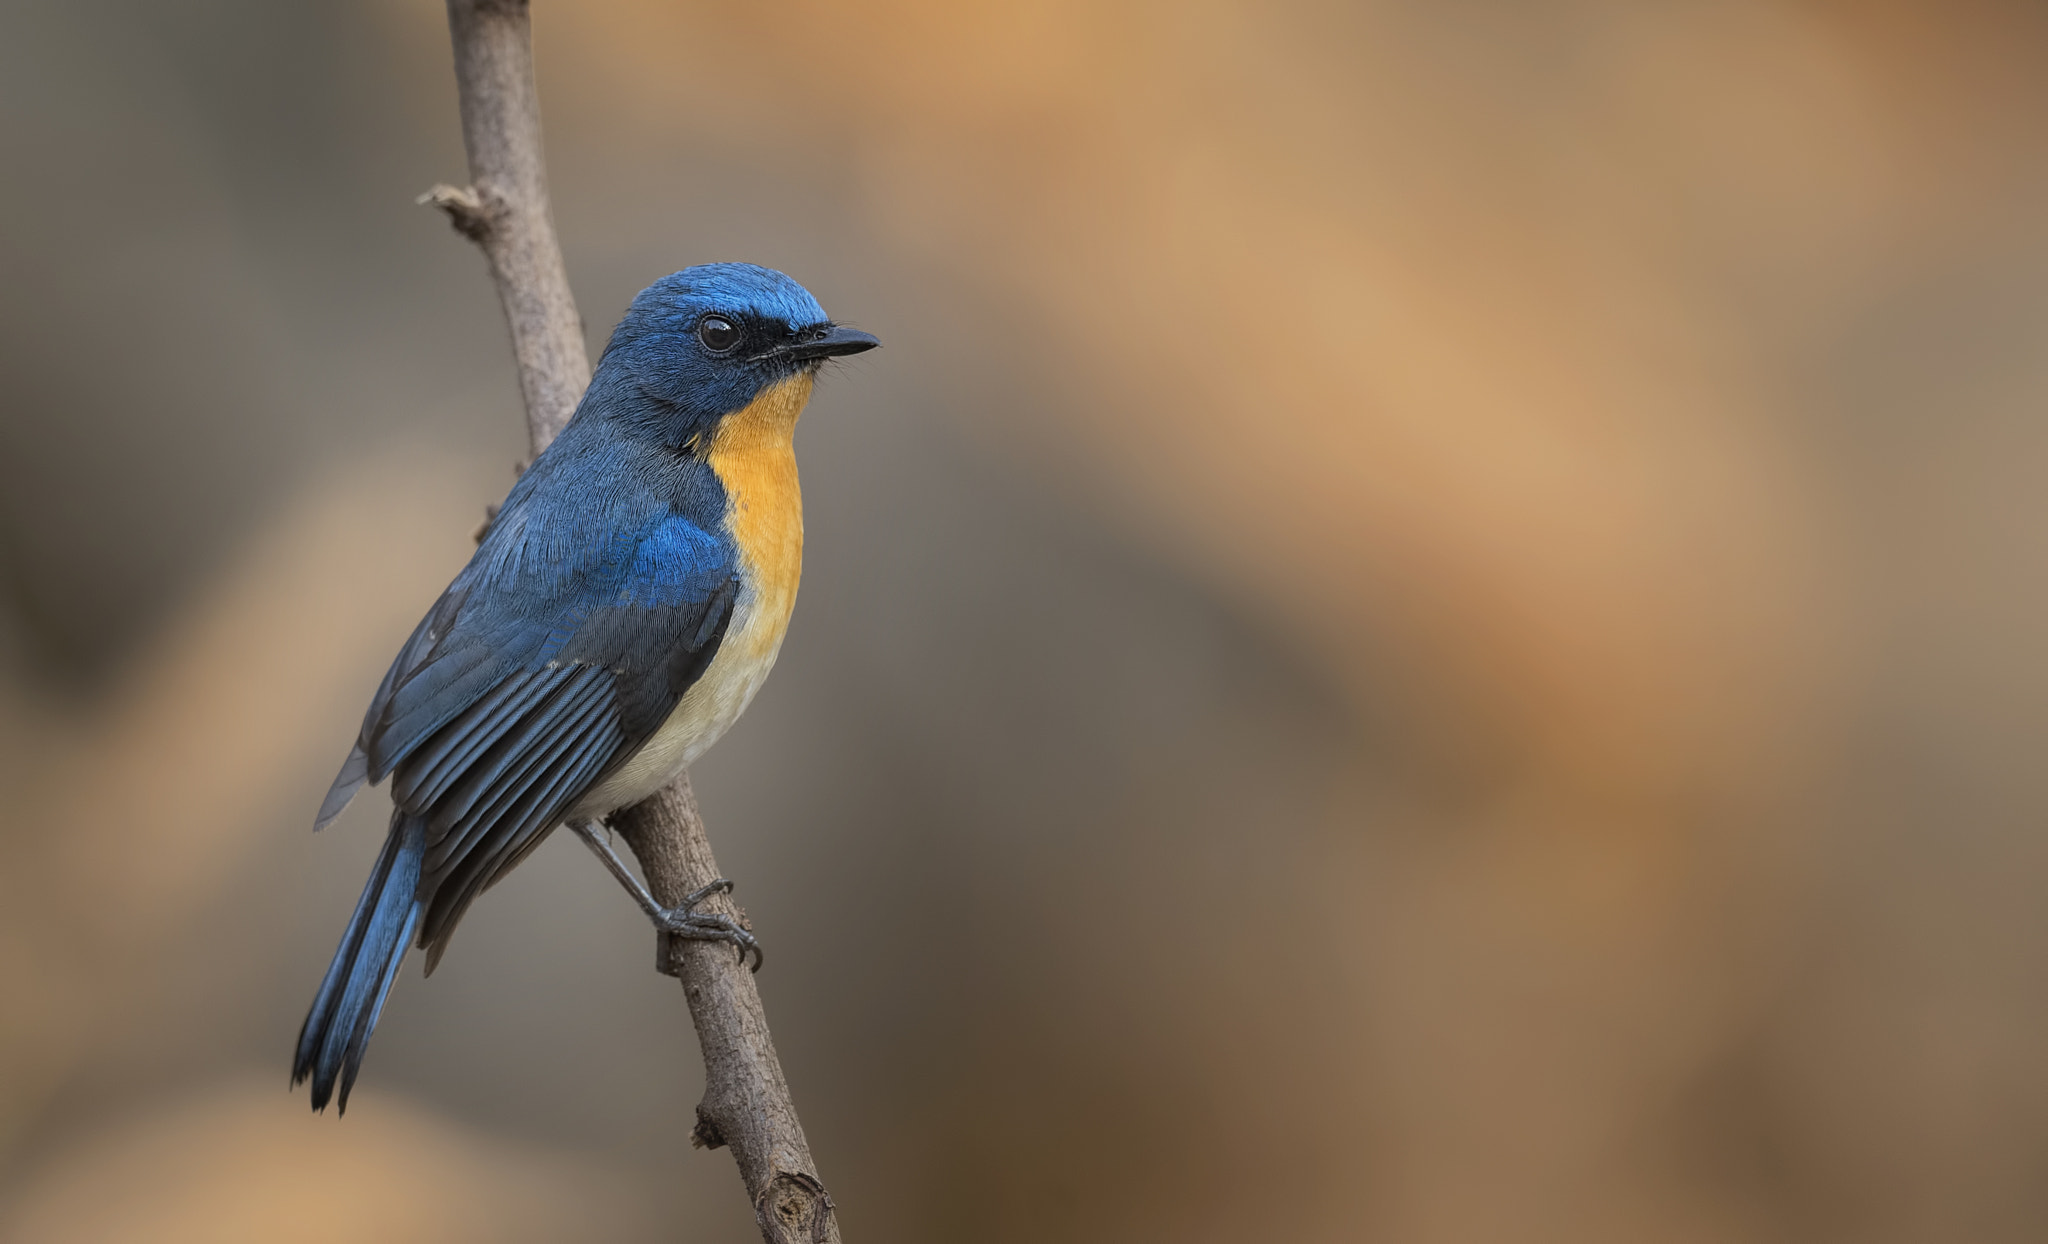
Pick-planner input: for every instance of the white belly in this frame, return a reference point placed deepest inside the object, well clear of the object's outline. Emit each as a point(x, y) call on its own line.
point(756, 464)
point(707, 709)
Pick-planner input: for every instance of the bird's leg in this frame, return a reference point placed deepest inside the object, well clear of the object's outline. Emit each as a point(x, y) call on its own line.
point(681, 919)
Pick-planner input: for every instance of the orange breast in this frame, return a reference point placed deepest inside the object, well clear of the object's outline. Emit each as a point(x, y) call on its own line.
point(755, 459)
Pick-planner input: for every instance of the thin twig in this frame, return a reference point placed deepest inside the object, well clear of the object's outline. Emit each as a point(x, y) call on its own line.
point(746, 1102)
point(505, 211)
point(505, 208)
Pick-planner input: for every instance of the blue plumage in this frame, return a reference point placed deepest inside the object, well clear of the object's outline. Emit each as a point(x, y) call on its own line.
point(337, 1029)
point(600, 594)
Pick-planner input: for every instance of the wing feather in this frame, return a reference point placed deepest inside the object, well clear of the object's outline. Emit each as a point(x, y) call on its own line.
point(436, 764)
point(442, 688)
point(512, 836)
point(473, 809)
point(540, 670)
point(503, 769)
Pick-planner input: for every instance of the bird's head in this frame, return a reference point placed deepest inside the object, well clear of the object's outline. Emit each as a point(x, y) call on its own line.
point(706, 341)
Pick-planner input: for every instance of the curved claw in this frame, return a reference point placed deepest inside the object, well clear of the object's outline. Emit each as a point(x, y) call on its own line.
point(698, 928)
point(750, 945)
point(718, 886)
point(679, 920)
point(686, 923)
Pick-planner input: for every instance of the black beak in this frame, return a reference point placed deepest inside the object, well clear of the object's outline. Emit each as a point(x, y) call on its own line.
point(831, 343)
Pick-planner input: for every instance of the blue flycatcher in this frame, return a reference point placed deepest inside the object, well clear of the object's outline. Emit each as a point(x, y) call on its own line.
point(624, 606)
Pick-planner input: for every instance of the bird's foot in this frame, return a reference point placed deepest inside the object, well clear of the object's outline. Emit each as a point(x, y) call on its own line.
point(684, 921)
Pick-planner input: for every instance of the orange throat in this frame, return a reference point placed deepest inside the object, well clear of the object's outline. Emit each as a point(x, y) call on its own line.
point(754, 455)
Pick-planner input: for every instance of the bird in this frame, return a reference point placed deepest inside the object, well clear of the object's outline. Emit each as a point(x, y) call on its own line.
point(621, 610)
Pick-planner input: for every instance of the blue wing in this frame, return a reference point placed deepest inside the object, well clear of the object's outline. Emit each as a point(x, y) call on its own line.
point(559, 650)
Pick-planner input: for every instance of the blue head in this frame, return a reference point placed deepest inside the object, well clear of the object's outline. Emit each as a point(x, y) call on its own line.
point(705, 341)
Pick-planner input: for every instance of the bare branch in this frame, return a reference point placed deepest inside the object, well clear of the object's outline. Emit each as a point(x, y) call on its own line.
point(505, 208)
point(505, 211)
point(465, 210)
point(746, 1101)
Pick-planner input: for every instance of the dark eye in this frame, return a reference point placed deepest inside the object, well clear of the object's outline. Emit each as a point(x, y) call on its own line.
point(717, 333)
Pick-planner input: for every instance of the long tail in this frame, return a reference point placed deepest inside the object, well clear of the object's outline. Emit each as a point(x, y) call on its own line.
point(344, 1013)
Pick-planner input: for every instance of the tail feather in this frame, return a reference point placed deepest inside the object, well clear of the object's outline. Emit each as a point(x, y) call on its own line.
point(351, 997)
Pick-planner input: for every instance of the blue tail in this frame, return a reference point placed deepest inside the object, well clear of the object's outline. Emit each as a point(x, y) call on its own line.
point(344, 1013)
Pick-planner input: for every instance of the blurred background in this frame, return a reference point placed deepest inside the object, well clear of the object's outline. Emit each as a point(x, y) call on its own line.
point(1430, 629)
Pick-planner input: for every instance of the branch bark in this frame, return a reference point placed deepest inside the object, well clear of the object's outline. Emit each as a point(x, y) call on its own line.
point(505, 211)
point(505, 208)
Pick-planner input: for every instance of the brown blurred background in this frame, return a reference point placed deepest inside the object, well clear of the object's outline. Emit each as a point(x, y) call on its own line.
point(1432, 628)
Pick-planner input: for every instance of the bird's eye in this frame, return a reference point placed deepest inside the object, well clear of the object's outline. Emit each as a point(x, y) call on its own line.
point(717, 333)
